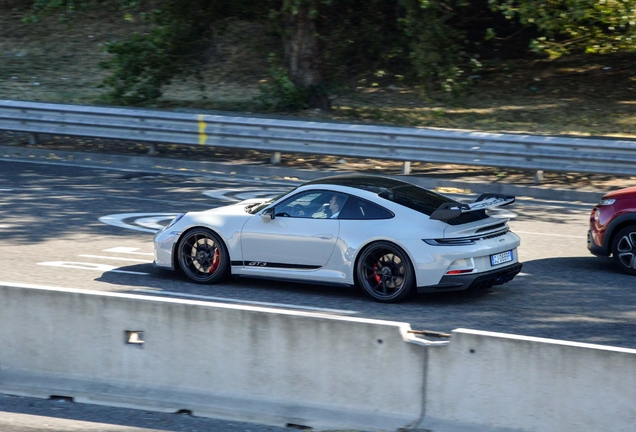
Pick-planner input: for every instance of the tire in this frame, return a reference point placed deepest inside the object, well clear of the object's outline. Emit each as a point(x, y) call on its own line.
point(385, 273)
point(203, 256)
point(624, 249)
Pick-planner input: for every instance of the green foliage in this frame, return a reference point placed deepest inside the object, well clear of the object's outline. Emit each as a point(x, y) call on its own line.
point(420, 40)
point(355, 43)
point(182, 30)
point(567, 26)
point(280, 93)
point(139, 67)
point(68, 7)
point(413, 39)
point(436, 44)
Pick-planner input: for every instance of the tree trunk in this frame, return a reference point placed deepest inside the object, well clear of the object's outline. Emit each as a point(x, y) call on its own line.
point(302, 56)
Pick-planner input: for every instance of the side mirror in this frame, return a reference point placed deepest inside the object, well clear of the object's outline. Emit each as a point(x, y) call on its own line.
point(269, 213)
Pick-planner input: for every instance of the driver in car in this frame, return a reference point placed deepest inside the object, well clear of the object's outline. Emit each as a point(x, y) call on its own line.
point(335, 204)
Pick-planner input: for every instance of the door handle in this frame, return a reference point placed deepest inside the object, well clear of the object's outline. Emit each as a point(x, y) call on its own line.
point(325, 236)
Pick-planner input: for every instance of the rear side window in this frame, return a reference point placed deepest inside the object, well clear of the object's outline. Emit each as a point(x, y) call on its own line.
point(357, 208)
point(425, 201)
point(416, 198)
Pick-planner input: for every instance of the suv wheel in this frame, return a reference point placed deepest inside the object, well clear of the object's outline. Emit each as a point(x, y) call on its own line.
point(624, 249)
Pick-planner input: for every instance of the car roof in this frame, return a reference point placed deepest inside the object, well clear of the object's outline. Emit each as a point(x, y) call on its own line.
point(371, 183)
point(401, 193)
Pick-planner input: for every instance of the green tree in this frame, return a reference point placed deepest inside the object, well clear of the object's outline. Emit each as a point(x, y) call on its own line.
point(567, 26)
point(323, 43)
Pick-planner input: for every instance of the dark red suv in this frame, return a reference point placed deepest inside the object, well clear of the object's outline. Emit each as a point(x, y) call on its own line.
point(613, 228)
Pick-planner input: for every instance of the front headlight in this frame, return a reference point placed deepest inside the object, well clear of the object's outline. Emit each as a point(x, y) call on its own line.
point(606, 201)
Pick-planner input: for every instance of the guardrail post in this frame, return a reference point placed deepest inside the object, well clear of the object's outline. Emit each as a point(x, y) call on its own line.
point(33, 139)
point(275, 158)
point(152, 149)
point(538, 177)
point(406, 168)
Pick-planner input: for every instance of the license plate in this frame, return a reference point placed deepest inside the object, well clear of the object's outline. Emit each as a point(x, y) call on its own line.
point(501, 258)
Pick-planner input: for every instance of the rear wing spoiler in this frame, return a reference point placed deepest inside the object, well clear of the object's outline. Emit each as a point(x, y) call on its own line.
point(451, 210)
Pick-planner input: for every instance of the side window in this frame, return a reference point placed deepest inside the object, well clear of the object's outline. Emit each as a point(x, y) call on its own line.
point(302, 205)
point(357, 208)
point(313, 205)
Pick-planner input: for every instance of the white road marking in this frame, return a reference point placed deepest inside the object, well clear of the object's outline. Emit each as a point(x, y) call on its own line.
point(116, 258)
point(248, 302)
point(118, 220)
point(549, 234)
point(244, 193)
point(127, 250)
point(25, 285)
point(153, 222)
point(5, 226)
point(89, 266)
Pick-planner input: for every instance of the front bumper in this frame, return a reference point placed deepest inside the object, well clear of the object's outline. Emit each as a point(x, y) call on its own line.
point(594, 248)
point(164, 244)
point(474, 281)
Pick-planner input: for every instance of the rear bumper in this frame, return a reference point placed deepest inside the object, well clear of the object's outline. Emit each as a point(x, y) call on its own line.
point(474, 281)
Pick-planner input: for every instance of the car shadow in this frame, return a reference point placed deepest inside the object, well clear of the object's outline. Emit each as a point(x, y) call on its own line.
point(561, 279)
point(160, 282)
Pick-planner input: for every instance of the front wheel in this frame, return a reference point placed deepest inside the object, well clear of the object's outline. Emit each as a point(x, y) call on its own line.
point(385, 273)
point(624, 249)
point(203, 256)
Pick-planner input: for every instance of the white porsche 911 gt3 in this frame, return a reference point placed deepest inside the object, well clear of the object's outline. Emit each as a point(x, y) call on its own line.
point(389, 237)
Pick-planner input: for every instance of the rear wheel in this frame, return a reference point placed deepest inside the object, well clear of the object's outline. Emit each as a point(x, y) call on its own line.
point(624, 249)
point(385, 273)
point(203, 256)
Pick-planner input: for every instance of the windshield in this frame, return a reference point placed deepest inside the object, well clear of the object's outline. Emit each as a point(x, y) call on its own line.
point(256, 207)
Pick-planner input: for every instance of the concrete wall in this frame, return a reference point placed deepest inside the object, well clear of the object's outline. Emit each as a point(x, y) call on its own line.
point(493, 380)
point(245, 363)
point(280, 367)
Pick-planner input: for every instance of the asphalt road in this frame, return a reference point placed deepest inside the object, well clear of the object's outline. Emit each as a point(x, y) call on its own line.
point(89, 228)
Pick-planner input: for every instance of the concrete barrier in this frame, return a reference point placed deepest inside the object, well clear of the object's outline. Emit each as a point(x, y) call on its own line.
point(231, 362)
point(493, 381)
point(282, 368)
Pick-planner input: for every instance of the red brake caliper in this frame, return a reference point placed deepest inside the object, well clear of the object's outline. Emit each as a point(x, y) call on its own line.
point(376, 276)
point(215, 261)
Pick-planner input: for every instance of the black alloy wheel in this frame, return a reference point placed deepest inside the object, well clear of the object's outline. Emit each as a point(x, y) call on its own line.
point(202, 256)
point(385, 273)
point(624, 249)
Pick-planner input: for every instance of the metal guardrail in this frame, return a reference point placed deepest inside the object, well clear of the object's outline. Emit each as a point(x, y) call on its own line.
point(532, 152)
